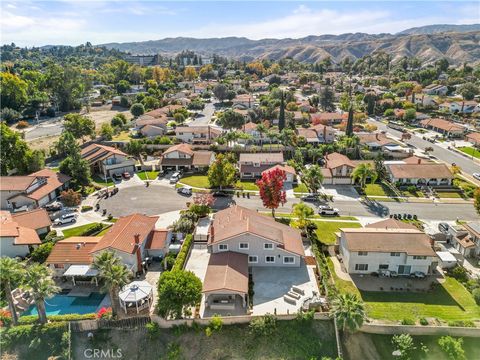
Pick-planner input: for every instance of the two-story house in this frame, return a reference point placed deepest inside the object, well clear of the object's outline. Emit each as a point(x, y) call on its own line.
point(387, 245)
point(251, 165)
point(32, 191)
point(106, 160)
point(338, 169)
point(182, 156)
point(197, 134)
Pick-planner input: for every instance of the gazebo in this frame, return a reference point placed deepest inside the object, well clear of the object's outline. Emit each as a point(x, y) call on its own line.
point(137, 294)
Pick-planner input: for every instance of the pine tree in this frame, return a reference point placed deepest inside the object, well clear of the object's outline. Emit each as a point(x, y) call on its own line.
point(281, 116)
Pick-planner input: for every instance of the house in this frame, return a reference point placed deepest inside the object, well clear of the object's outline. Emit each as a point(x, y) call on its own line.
point(259, 86)
point(445, 127)
point(425, 100)
point(378, 142)
point(387, 245)
point(152, 131)
point(435, 89)
point(243, 101)
point(16, 239)
point(252, 165)
point(465, 107)
point(106, 160)
point(327, 118)
point(164, 112)
point(37, 219)
point(474, 138)
point(325, 134)
point(420, 174)
point(290, 173)
point(33, 191)
point(182, 156)
point(250, 128)
point(468, 243)
point(197, 134)
point(338, 169)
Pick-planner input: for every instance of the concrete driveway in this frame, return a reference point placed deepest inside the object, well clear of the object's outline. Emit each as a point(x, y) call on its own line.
point(272, 283)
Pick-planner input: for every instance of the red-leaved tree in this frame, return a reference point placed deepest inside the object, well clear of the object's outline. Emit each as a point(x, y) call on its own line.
point(206, 199)
point(271, 189)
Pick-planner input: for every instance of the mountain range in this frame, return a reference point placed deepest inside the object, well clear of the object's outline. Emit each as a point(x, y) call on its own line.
point(457, 43)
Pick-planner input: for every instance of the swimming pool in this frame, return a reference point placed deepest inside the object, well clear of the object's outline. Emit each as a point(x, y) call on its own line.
point(63, 304)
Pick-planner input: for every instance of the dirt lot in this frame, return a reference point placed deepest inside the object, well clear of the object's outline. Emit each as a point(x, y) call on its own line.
point(103, 114)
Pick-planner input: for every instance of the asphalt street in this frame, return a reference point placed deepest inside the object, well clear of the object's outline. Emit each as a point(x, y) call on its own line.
point(158, 199)
point(445, 155)
point(205, 115)
point(46, 128)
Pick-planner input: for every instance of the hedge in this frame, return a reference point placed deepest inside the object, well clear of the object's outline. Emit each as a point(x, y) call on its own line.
point(32, 319)
point(182, 255)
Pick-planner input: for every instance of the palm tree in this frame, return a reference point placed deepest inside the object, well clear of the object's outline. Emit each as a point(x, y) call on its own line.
point(302, 212)
point(10, 273)
point(362, 172)
point(114, 275)
point(313, 178)
point(349, 311)
point(38, 281)
point(261, 129)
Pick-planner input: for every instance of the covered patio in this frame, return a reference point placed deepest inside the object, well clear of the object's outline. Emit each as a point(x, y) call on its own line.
point(137, 295)
point(84, 274)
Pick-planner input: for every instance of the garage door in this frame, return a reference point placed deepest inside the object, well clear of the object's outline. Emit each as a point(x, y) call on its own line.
point(120, 171)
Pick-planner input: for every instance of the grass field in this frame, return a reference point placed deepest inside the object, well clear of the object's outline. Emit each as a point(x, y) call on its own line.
point(79, 230)
point(247, 185)
point(326, 230)
point(148, 175)
point(470, 151)
point(200, 181)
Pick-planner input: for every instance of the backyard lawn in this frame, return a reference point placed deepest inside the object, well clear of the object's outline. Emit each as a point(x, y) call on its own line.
point(326, 230)
point(470, 151)
point(81, 230)
point(200, 181)
point(148, 175)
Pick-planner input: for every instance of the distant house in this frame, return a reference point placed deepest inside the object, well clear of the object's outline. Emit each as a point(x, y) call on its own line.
point(468, 242)
point(106, 160)
point(197, 134)
point(420, 174)
point(425, 100)
point(259, 86)
point(338, 169)
point(378, 142)
point(17, 239)
point(152, 131)
point(182, 156)
point(32, 191)
point(444, 127)
point(290, 173)
point(435, 89)
point(388, 245)
point(327, 118)
point(317, 134)
point(474, 138)
point(252, 165)
point(250, 128)
point(243, 101)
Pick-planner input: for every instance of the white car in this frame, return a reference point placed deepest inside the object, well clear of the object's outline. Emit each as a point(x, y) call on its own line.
point(476, 176)
point(186, 190)
point(174, 178)
point(327, 210)
point(66, 219)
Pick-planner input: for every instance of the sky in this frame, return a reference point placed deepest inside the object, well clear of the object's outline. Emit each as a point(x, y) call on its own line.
point(36, 23)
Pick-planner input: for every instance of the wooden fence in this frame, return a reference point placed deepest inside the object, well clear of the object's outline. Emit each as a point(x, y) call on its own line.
point(128, 323)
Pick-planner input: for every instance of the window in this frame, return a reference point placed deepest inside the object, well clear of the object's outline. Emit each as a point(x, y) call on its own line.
point(243, 246)
point(394, 254)
point(58, 266)
point(223, 247)
point(253, 259)
point(288, 260)
point(269, 259)
point(361, 267)
point(383, 267)
point(362, 253)
point(417, 257)
point(268, 246)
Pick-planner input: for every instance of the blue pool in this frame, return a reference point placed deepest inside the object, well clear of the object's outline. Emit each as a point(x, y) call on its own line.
point(64, 304)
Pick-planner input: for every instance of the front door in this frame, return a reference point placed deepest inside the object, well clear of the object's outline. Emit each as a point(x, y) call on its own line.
point(404, 269)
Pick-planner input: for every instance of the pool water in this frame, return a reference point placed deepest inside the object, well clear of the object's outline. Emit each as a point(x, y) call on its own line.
point(64, 304)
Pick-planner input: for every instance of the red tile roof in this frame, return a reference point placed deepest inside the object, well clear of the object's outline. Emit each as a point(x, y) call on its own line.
point(227, 271)
point(158, 240)
point(22, 235)
point(74, 250)
point(335, 160)
point(183, 148)
point(34, 219)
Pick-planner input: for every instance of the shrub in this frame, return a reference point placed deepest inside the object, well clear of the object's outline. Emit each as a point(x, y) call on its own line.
point(87, 208)
point(461, 323)
point(137, 109)
point(476, 295)
point(124, 102)
point(22, 124)
point(104, 313)
point(208, 332)
point(50, 112)
point(170, 260)
point(40, 254)
point(407, 322)
point(264, 325)
point(33, 319)
point(182, 255)
point(423, 321)
point(71, 198)
point(5, 318)
point(9, 115)
point(93, 229)
point(216, 323)
point(459, 273)
point(153, 329)
point(51, 236)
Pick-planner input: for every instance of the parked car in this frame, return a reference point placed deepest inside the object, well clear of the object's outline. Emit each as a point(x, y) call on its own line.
point(443, 227)
point(55, 206)
point(327, 210)
point(126, 175)
point(66, 219)
point(175, 177)
point(117, 177)
point(310, 197)
point(186, 190)
point(476, 176)
point(418, 275)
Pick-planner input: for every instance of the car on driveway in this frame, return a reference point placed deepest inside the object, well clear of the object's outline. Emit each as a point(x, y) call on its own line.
point(126, 175)
point(66, 219)
point(174, 178)
point(55, 206)
point(186, 190)
point(417, 275)
point(476, 176)
point(327, 210)
point(117, 177)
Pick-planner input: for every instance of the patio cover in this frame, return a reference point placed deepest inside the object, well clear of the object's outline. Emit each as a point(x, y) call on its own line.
point(80, 270)
point(135, 291)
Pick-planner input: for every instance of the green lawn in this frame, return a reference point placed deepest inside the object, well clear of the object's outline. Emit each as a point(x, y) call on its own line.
point(148, 175)
point(470, 151)
point(200, 181)
point(300, 188)
point(342, 285)
point(246, 185)
point(122, 136)
point(101, 181)
point(449, 194)
point(101, 233)
point(80, 230)
point(378, 190)
point(326, 230)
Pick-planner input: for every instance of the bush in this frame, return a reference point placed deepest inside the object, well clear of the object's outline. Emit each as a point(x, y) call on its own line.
point(51, 236)
point(40, 254)
point(423, 321)
point(170, 260)
point(5, 318)
point(264, 325)
point(22, 124)
point(9, 115)
point(459, 273)
point(71, 198)
point(93, 229)
point(182, 255)
point(153, 329)
point(476, 295)
point(105, 313)
point(216, 323)
point(124, 102)
point(50, 112)
point(33, 319)
point(208, 332)
point(137, 109)
point(407, 322)
point(461, 323)
point(87, 208)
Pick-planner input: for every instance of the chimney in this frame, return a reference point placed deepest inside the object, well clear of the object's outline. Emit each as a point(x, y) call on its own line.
point(137, 251)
